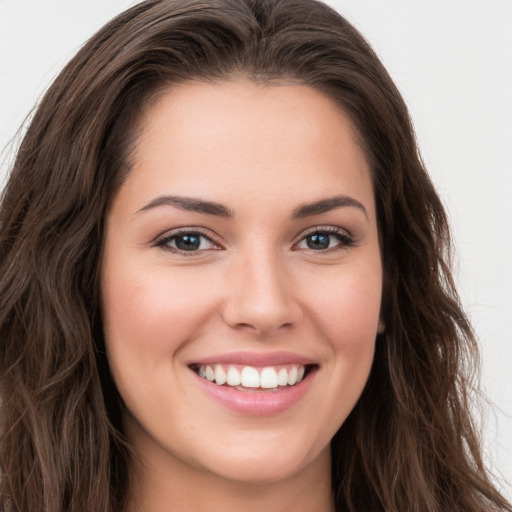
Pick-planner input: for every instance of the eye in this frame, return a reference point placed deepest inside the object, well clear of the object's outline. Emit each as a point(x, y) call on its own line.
point(325, 239)
point(187, 241)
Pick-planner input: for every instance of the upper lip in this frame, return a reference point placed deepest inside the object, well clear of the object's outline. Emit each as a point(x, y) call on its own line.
point(255, 359)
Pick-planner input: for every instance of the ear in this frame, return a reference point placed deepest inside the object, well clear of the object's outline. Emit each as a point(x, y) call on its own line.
point(381, 326)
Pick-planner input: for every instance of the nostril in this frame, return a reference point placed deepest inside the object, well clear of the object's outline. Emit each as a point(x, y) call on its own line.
point(262, 303)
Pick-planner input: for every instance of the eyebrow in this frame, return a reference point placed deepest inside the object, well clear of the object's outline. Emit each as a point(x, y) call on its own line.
point(190, 204)
point(211, 208)
point(325, 205)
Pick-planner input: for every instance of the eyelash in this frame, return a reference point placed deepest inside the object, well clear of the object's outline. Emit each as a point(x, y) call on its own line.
point(167, 238)
point(345, 240)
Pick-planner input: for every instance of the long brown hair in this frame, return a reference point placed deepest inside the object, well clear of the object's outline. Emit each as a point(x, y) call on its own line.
point(409, 444)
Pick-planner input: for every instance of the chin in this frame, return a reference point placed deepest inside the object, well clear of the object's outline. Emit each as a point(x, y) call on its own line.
point(267, 463)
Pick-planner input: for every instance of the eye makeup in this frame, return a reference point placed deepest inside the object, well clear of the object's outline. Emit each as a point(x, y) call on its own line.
point(193, 240)
point(187, 241)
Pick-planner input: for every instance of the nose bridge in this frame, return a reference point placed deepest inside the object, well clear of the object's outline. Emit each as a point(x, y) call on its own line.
point(261, 294)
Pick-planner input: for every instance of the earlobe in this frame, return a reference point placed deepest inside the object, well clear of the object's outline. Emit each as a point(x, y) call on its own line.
point(381, 326)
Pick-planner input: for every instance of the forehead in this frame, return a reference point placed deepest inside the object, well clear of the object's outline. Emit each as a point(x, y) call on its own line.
point(243, 140)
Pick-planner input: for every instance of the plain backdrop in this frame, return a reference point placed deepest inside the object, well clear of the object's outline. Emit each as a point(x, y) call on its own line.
point(452, 61)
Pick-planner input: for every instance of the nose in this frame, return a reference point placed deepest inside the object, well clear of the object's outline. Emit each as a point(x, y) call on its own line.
point(261, 295)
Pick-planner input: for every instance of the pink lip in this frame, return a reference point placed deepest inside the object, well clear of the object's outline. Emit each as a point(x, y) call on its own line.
point(257, 403)
point(256, 359)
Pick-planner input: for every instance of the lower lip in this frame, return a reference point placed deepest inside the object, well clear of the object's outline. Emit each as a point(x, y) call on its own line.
point(260, 402)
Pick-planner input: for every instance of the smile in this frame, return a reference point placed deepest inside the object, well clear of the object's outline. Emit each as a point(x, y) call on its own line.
point(251, 377)
point(255, 384)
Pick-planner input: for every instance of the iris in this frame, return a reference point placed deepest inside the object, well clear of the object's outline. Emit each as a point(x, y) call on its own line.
point(187, 242)
point(318, 241)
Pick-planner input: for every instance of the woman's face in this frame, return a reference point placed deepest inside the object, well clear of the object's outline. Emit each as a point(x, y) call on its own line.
point(243, 247)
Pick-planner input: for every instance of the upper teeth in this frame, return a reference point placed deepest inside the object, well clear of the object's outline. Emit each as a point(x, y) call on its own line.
point(251, 377)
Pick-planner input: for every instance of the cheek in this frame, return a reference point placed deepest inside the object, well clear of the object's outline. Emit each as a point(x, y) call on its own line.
point(151, 312)
point(346, 306)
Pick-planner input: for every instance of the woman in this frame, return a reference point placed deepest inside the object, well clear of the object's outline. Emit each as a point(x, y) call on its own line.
point(211, 247)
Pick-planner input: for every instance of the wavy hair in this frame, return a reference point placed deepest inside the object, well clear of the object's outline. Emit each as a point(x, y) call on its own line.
point(409, 444)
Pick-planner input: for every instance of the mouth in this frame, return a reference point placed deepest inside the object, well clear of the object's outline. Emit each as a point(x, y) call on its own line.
point(255, 384)
point(253, 378)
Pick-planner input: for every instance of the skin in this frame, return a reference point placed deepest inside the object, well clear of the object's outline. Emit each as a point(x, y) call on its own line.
point(262, 152)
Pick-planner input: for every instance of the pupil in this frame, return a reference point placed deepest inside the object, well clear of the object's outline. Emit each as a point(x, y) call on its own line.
point(187, 242)
point(318, 241)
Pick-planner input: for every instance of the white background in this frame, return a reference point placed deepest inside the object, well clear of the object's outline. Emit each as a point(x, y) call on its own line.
point(452, 61)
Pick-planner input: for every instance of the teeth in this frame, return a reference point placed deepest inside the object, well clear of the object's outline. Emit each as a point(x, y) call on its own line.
point(234, 378)
point(282, 377)
point(292, 375)
point(268, 378)
point(210, 374)
point(251, 377)
point(220, 375)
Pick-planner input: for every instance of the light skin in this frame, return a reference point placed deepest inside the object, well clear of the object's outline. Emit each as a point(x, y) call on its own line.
point(275, 196)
